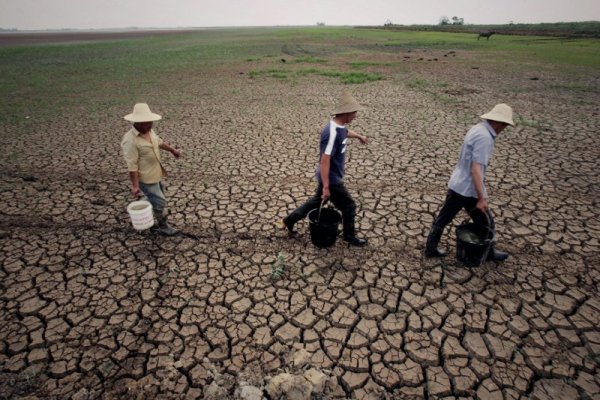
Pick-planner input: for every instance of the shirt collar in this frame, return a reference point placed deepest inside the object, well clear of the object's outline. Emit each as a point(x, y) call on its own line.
point(336, 125)
point(137, 133)
point(490, 129)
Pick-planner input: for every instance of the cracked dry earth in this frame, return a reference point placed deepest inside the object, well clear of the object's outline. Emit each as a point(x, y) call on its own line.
point(92, 309)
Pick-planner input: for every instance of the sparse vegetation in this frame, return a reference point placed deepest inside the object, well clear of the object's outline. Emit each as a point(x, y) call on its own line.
point(528, 123)
point(30, 75)
point(310, 59)
point(345, 77)
point(362, 64)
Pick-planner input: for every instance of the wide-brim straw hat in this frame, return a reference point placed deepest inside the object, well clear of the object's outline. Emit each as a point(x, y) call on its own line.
point(500, 113)
point(141, 113)
point(346, 104)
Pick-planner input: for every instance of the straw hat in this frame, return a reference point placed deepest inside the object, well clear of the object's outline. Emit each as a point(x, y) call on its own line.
point(142, 113)
point(346, 104)
point(500, 113)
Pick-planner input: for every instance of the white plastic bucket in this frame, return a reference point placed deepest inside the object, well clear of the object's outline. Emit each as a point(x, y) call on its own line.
point(141, 214)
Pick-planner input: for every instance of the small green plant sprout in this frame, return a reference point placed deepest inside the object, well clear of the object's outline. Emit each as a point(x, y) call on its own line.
point(281, 268)
point(278, 267)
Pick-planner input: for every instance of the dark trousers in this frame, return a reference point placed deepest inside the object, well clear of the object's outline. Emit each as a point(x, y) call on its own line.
point(340, 198)
point(454, 203)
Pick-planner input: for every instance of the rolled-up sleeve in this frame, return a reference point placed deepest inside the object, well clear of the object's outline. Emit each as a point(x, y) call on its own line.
point(482, 149)
point(159, 140)
point(130, 153)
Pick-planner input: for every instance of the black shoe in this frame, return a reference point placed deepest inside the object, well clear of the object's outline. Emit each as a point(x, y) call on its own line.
point(290, 227)
point(354, 241)
point(431, 249)
point(495, 255)
point(435, 252)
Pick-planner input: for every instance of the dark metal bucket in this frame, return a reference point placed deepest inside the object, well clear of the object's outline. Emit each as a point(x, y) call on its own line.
point(473, 243)
point(323, 225)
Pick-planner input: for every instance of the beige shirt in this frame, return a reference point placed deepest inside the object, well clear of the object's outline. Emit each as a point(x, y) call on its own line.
point(143, 156)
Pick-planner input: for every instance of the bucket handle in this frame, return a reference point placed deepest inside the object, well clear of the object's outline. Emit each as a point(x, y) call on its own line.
point(490, 233)
point(320, 208)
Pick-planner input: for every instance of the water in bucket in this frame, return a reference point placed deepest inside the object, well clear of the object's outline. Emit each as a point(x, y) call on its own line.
point(473, 243)
point(140, 212)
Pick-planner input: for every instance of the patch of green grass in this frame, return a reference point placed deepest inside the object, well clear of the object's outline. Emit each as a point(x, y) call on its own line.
point(359, 77)
point(417, 83)
point(310, 60)
point(582, 52)
point(362, 64)
point(349, 77)
point(345, 77)
point(575, 87)
point(520, 121)
point(273, 73)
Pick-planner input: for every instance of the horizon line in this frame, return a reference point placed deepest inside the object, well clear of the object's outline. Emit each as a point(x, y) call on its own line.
point(154, 28)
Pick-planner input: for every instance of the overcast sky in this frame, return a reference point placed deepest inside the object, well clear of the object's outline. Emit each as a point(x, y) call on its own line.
point(59, 14)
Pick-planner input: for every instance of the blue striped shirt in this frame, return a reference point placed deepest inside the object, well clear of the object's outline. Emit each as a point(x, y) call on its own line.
point(333, 142)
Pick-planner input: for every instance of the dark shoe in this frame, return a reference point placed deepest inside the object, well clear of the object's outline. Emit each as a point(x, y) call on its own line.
point(433, 239)
point(354, 241)
point(164, 228)
point(285, 224)
point(167, 230)
point(495, 255)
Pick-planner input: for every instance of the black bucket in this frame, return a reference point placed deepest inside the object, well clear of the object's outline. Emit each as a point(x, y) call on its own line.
point(473, 243)
point(324, 226)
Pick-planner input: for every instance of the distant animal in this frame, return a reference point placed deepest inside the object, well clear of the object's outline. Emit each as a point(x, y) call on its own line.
point(485, 34)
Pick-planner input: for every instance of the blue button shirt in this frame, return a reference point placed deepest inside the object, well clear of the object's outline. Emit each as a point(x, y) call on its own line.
point(478, 147)
point(333, 143)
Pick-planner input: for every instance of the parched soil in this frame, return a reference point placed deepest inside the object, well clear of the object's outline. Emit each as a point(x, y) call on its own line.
point(92, 309)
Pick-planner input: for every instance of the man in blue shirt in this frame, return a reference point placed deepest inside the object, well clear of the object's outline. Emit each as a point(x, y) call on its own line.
point(466, 188)
point(330, 171)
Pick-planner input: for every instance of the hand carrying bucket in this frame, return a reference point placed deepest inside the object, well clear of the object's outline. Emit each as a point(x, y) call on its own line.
point(323, 225)
point(140, 212)
point(473, 243)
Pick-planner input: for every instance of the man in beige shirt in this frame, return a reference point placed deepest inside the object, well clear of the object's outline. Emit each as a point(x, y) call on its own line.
point(141, 149)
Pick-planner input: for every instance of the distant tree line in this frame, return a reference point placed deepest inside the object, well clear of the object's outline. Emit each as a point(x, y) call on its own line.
point(455, 21)
point(588, 29)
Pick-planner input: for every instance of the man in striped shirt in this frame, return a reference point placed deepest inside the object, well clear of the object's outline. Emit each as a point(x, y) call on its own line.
point(330, 171)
